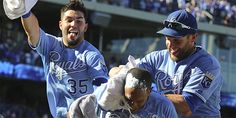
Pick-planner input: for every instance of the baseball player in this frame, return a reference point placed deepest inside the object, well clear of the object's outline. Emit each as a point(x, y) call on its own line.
point(185, 73)
point(139, 101)
point(71, 64)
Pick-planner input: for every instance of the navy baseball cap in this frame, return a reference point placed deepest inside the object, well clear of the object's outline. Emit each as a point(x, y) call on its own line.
point(178, 24)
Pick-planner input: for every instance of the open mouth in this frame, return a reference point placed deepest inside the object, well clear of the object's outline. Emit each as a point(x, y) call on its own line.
point(73, 34)
point(175, 52)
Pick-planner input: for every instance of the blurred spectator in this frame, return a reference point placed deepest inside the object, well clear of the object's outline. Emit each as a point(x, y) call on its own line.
point(124, 3)
point(149, 5)
point(20, 111)
point(211, 11)
point(11, 47)
point(135, 4)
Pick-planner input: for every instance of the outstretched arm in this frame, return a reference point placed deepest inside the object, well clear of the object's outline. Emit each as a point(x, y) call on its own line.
point(19, 8)
point(31, 27)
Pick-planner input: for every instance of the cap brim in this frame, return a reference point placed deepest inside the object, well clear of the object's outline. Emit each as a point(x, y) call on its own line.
point(171, 32)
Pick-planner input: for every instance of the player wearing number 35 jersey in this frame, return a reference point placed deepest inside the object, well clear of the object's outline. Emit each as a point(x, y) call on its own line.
point(69, 72)
point(71, 64)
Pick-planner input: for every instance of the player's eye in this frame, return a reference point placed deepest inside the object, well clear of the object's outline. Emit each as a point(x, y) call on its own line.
point(68, 20)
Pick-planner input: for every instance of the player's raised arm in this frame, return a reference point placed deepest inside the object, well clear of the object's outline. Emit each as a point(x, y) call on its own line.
point(31, 27)
point(22, 8)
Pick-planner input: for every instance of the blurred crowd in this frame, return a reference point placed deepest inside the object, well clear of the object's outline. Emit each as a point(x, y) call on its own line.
point(15, 50)
point(222, 12)
point(21, 111)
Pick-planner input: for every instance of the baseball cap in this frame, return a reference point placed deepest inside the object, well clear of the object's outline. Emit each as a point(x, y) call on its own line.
point(178, 24)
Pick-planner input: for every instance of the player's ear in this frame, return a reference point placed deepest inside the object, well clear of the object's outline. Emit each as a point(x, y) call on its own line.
point(194, 37)
point(149, 91)
point(86, 27)
point(60, 25)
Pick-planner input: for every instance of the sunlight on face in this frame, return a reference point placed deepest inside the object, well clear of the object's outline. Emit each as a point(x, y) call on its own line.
point(179, 48)
point(73, 27)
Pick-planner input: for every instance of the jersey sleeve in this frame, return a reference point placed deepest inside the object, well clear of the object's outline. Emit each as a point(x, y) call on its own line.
point(46, 41)
point(192, 100)
point(97, 68)
point(204, 80)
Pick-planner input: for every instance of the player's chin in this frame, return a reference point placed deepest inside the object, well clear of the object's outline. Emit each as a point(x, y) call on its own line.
point(174, 58)
point(73, 42)
point(72, 38)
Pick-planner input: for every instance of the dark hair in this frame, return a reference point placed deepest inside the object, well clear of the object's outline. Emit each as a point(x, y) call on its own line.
point(75, 5)
point(187, 1)
point(142, 75)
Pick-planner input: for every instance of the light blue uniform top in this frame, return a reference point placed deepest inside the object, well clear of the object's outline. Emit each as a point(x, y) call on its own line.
point(157, 106)
point(199, 75)
point(69, 72)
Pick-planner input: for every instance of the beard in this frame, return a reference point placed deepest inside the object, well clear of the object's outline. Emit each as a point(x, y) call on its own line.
point(73, 42)
point(182, 55)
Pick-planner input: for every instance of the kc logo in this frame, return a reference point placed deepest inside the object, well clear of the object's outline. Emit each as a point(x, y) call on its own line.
point(206, 81)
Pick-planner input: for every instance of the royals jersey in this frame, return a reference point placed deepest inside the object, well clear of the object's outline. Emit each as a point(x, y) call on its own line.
point(69, 72)
point(157, 106)
point(199, 74)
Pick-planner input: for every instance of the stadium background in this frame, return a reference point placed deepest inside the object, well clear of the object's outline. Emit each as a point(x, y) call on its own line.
point(118, 28)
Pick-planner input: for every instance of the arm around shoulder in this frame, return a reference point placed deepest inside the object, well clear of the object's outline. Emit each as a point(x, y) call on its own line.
point(180, 104)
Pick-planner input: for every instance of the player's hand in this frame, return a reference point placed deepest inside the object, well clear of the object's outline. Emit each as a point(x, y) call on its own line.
point(114, 71)
point(17, 8)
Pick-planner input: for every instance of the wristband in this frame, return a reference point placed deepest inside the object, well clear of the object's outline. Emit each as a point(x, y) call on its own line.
point(27, 15)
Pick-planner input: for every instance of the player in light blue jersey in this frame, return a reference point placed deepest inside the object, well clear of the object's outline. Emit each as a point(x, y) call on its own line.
point(185, 73)
point(142, 101)
point(71, 64)
point(136, 89)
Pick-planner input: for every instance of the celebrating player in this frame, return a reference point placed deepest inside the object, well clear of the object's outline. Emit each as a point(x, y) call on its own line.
point(185, 73)
point(72, 65)
point(139, 101)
